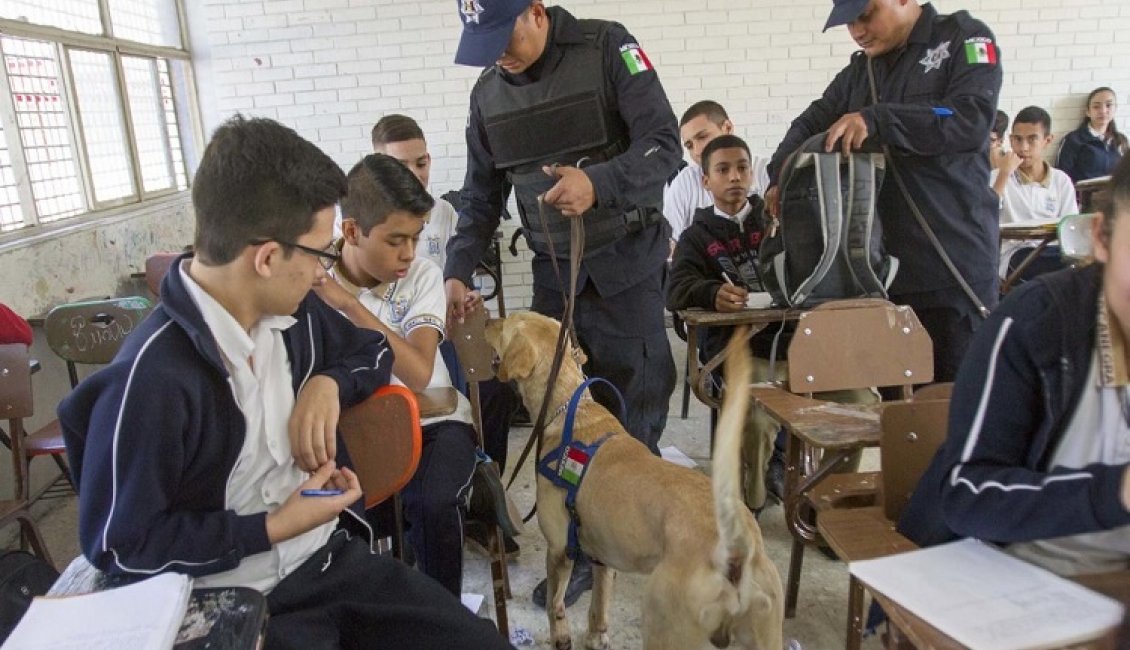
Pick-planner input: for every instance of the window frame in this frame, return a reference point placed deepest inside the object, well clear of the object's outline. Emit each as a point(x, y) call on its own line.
point(186, 103)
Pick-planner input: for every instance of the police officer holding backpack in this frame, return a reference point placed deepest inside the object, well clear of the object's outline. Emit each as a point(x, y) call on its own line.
point(924, 86)
point(571, 111)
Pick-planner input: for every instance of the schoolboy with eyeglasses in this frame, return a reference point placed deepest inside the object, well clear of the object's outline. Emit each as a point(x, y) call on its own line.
point(193, 449)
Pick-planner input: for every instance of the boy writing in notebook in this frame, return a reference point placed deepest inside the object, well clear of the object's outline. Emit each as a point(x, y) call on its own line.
point(192, 450)
point(714, 267)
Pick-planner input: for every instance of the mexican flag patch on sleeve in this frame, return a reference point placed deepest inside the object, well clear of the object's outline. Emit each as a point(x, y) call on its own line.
point(980, 50)
point(635, 59)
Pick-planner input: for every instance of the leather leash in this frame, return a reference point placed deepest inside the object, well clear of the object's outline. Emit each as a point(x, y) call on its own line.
point(576, 252)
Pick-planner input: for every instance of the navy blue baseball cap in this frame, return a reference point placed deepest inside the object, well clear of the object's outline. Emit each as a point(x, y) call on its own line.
point(487, 26)
point(845, 11)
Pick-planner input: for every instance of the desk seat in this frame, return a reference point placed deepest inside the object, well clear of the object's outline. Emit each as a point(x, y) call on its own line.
point(437, 402)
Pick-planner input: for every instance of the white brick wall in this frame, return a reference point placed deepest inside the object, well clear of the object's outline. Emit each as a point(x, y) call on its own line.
point(331, 68)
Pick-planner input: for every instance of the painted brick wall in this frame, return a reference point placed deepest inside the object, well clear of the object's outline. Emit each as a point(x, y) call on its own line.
point(331, 68)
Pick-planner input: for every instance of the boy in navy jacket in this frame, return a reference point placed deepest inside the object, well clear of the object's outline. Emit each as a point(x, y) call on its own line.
point(191, 451)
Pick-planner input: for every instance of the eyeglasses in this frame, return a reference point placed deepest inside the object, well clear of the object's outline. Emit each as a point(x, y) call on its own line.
point(327, 256)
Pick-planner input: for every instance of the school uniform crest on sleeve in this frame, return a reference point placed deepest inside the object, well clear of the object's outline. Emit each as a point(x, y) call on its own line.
point(934, 57)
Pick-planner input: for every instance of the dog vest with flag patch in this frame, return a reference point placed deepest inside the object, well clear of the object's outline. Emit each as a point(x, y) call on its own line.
point(565, 466)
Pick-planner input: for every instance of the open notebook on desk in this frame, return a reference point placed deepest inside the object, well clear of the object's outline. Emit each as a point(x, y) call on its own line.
point(986, 599)
point(160, 613)
point(145, 615)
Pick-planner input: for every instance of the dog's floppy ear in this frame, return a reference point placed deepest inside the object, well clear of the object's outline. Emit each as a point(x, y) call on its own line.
point(518, 359)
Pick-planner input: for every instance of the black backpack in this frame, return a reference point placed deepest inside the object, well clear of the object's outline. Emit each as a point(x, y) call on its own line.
point(827, 243)
point(22, 577)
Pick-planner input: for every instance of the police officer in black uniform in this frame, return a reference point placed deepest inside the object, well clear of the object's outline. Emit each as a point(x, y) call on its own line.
point(937, 80)
point(571, 111)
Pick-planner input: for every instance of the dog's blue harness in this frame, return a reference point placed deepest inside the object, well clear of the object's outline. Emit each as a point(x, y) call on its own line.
point(566, 465)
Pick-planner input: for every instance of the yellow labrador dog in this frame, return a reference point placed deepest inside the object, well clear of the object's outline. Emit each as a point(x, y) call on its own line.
point(711, 584)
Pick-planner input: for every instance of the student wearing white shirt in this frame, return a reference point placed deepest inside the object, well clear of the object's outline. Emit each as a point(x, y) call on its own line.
point(402, 138)
point(193, 450)
point(701, 123)
point(1031, 190)
point(383, 285)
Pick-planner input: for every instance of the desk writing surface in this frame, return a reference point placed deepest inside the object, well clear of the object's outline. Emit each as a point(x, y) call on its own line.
point(819, 423)
point(1029, 230)
point(704, 318)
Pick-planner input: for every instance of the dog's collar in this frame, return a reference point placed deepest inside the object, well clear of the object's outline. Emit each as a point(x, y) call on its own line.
point(564, 407)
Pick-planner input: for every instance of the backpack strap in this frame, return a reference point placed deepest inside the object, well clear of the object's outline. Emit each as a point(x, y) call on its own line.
point(831, 223)
point(861, 214)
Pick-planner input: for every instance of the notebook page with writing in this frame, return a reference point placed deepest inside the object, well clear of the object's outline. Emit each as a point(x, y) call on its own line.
point(986, 599)
point(142, 616)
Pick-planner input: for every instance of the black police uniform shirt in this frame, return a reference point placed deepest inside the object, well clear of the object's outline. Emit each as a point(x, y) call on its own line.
point(937, 101)
point(633, 178)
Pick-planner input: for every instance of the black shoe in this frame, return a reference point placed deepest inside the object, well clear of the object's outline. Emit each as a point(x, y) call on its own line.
point(476, 536)
point(521, 417)
point(579, 583)
point(488, 502)
point(775, 476)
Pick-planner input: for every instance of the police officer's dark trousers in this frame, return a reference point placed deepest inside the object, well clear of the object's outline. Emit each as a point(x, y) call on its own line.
point(625, 339)
point(346, 598)
point(950, 318)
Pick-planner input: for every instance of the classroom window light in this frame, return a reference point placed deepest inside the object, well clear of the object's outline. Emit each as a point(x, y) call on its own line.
point(97, 111)
point(146, 21)
point(103, 128)
point(71, 15)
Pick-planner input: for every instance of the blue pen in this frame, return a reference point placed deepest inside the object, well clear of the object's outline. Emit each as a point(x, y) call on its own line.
point(942, 111)
point(322, 493)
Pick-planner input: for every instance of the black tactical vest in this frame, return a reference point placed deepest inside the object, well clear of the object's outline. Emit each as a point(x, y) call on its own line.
point(564, 118)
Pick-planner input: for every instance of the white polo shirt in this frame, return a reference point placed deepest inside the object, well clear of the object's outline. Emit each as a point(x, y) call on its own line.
point(686, 193)
point(417, 300)
point(265, 474)
point(1026, 200)
point(439, 227)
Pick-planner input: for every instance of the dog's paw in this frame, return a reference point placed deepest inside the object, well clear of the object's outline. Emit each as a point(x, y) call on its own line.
point(565, 643)
point(597, 641)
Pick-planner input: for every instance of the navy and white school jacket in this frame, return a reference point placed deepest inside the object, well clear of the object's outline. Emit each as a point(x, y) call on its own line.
point(153, 438)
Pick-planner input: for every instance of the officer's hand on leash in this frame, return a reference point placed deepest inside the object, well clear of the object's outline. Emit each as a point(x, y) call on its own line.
point(850, 131)
point(573, 194)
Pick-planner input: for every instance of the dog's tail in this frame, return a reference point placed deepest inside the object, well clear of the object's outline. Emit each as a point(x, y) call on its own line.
point(734, 541)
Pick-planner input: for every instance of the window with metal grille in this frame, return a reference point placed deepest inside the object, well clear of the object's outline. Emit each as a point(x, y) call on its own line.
point(96, 109)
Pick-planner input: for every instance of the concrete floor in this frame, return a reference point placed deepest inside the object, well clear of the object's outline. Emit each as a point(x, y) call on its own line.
point(821, 612)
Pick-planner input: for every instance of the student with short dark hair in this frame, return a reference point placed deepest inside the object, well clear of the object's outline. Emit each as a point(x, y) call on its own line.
point(382, 285)
point(1031, 190)
point(700, 124)
point(715, 268)
point(402, 138)
point(192, 450)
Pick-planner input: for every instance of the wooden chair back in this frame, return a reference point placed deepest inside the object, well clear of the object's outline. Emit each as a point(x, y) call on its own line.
point(848, 344)
point(476, 358)
point(15, 382)
point(156, 267)
point(382, 435)
point(16, 403)
point(92, 332)
point(912, 433)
